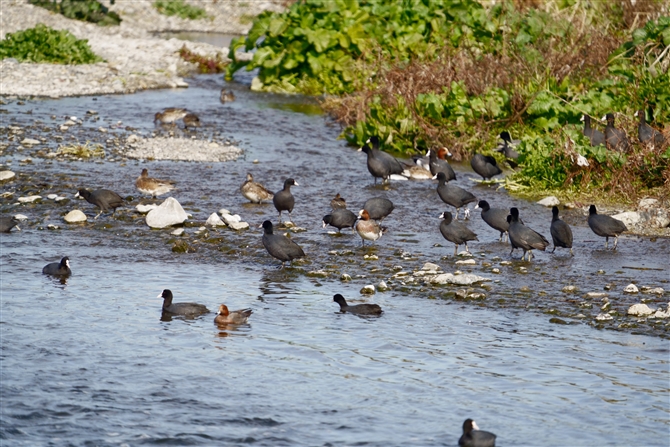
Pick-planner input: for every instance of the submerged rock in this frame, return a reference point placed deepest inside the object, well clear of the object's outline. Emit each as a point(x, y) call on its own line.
point(368, 290)
point(461, 280)
point(75, 216)
point(167, 214)
point(604, 317)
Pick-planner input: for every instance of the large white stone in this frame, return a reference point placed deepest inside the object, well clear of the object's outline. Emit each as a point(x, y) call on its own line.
point(629, 218)
point(238, 225)
point(75, 216)
point(430, 266)
point(22, 217)
point(647, 204)
point(549, 201)
point(214, 220)
point(167, 214)
point(640, 310)
point(143, 209)
point(6, 175)
point(630, 288)
point(29, 199)
point(230, 218)
point(461, 280)
point(29, 141)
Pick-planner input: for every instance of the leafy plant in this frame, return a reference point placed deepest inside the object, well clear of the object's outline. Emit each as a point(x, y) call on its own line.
point(43, 44)
point(180, 9)
point(85, 10)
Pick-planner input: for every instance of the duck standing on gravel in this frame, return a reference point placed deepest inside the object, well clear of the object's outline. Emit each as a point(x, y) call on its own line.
point(191, 120)
point(605, 226)
point(102, 198)
point(367, 228)
point(255, 192)
point(284, 200)
point(279, 246)
point(152, 186)
point(380, 164)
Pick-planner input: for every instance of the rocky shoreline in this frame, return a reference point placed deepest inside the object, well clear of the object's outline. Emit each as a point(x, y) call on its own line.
point(135, 59)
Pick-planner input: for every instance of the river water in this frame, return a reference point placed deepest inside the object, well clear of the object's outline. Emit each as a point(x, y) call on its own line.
point(88, 361)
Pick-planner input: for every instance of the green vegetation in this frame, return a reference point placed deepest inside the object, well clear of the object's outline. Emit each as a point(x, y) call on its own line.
point(85, 10)
point(180, 9)
point(43, 44)
point(452, 72)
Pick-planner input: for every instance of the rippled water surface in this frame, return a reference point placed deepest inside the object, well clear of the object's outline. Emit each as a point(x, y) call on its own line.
point(89, 361)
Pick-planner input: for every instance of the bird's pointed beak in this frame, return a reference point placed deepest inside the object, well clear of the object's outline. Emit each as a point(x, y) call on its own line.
point(434, 177)
point(295, 183)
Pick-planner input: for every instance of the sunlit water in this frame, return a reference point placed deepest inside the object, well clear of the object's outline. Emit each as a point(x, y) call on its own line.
point(90, 362)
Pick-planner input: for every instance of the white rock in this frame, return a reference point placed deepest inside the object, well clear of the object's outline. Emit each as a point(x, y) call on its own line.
point(167, 214)
point(604, 317)
point(549, 201)
point(398, 177)
point(629, 218)
point(462, 280)
point(6, 175)
point(368, 290)
point(382, 286)
point(20, 217)
point(345, 277)
point(640, 310)
point(177, 232)
point(214, 220)
point(430, 266)
point(53, 227)
point(29, 199)
point(63, 128)
point(654, 291)
point(75, 216)
point(569, 289)
point(595, 295)
point(466, 262)
point(228, 218)
point(630, 288)
point(223, 211)
point(60, 198)
point(30, 142)
point(647, 204)
point(238, 225)
point(464, 253)
point(143, 209)
point(662, 313)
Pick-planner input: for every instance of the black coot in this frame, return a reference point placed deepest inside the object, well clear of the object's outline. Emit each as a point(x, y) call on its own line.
point(7, 223)
point(594, 135)
point(495, 218)
point(485, 165)
point(437, 165)
point(279, 246)
point(359, 309)
point(456, 232)
point(561, 233)
point(184, 309)
point(283, 200)
point(103, 199)
point(380, 164)
point(646, 133)
point(616, 138)
point(605, 226)
point(378, 208)
point(453, 195)
point(340, 218)
point(61, 268)
point(474, 437)
point(520, 236)
point(507, 146)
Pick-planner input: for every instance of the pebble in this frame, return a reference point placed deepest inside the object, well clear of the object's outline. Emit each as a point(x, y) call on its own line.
point(230, 218)
point(630, 288)
point(223, 211)
point(569, 289)
point(595, 295)
point(368, 290)
point(75, 216)
point(52, 196)
point(238, 225)
point(214, 220)
point(53, 227)
point(370, 257)
point(6, 175)
point(496, 271)
point(20, 217)
point(466, 262)
point(549, 201)
point(462, 280)
point(654, 291)
point(178, 232)
point(604, 317)
point(29, 199)
point(630, 218)
point(30, 142)
point(464, 253)
point(382, 286)
point(428, 266)
point(506, 263)
point(640, 310)
point(61, 199)
point(318, 274)
point(345, 277)
point(662, 313)
point(169, 213)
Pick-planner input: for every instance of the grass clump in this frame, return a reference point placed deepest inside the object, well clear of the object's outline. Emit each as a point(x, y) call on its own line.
point(78, 150)
point(84, 10)
point(44, 44)
point(180, 9)
point(205, 64)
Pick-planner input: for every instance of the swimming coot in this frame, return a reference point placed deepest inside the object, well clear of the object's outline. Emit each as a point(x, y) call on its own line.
point(485, 165)
point(438, 165)
point(283, 200)
point(615, 138)
point(456, 232)
point(378, 208)
point(520, 236)
point(474, 437)
point(103, 199)
point(224, 316)
point(152, 186)
point(61, 268)
point(380, 164)
point(495, 218)
point(453, 195)
point(605, 226)
point(561, 233)
point(7, 223)
point(279, 246)
point(359, 309)
point(594, 135)
point(184, 309)
point(253, 191)
point(647, 134)
point(340, 218)
point(367, 228)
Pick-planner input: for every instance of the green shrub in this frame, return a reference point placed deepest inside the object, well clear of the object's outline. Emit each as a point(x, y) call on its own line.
point(43, 44)
point(85, 10)
point(180, 9)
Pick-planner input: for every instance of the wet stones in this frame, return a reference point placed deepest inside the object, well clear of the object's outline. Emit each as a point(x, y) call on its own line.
point(461, 280)
point(29, 199)
point(630, 288)
point(640, 310)
point(6, 175)
point(75, 216)
point(169, 213)
point(549, 202)
point(368, 290)
point(569, 289)
point(214, 221)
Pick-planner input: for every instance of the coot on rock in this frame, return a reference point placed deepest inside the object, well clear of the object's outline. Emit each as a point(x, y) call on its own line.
point(456, 232)
point(485, 165)
point(380, 164)
point(279, 246)
point(561, 233)
point(605, 226)
point(253, 191)
point(453, 195)
point(474, 437)
point(224, 316)
point(520, 236)
point(61, 268)
point(184, 309)
point(283, 200)
point(359, 309)
point(340, 218)
point(103, 199)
